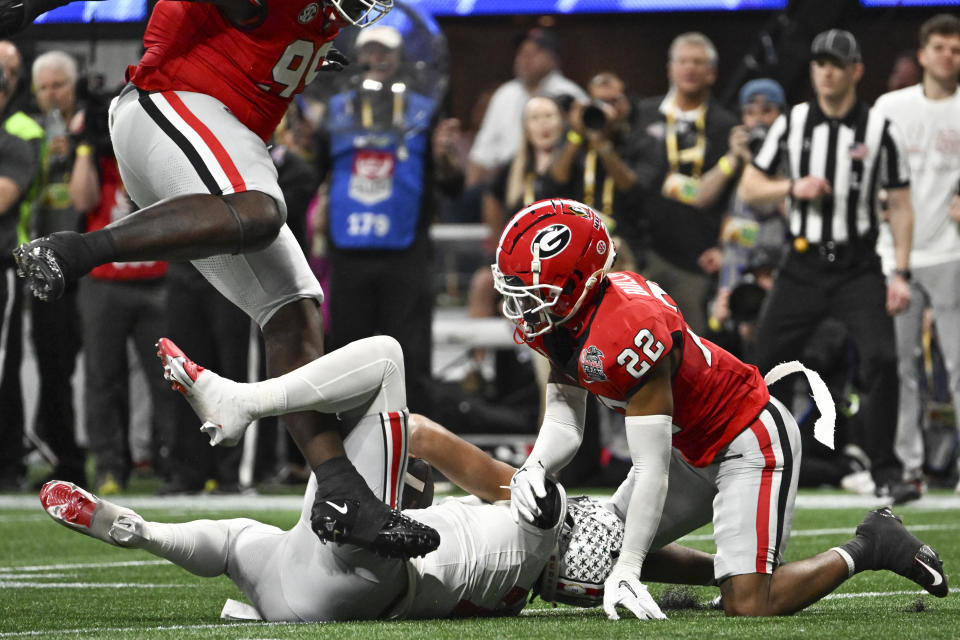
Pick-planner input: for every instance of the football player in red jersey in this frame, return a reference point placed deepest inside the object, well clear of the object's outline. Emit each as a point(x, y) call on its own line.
point(623, 339)
point(189, 132)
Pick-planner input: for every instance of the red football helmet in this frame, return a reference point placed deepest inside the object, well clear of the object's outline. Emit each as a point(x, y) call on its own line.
point(551, 256)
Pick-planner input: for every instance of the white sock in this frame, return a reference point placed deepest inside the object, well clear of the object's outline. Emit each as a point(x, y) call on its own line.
point(199, 546)
point(341, 380)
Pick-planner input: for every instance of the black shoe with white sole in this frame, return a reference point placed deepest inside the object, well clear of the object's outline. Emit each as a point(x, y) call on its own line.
point(346, 511)
point(892, 547)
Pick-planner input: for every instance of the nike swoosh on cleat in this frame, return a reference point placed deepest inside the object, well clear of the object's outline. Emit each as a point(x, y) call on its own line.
point(937, 578)
point(342, 509)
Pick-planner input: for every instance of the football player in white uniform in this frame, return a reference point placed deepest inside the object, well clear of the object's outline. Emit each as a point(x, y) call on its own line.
point(486, 563)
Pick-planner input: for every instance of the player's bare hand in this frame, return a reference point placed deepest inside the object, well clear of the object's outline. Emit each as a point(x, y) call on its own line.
point(623, 589)
point(739, 143)
point(526, 486)
point(898, 295)
point(811, 188)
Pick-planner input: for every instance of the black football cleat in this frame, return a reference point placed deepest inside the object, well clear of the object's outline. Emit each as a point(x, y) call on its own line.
point(42, 265)
point(345, 511)
point(386, 531)
point(898, 550)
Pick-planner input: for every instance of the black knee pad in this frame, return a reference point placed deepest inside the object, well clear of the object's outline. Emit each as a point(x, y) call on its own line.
point(258, 218)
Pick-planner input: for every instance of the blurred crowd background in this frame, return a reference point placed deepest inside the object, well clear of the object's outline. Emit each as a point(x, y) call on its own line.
point(399, 173)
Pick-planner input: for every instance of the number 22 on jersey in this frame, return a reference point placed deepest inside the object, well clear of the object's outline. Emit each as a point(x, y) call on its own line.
point(649, 346)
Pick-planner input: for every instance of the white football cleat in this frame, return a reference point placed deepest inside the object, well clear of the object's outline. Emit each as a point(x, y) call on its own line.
point(80, 510)
point(226, 407)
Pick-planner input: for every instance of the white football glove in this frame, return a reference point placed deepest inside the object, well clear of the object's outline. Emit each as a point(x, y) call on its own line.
point(623, 589)
point(526, 486)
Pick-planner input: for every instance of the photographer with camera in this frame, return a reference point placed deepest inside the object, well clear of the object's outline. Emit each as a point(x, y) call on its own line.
point(117, 301)
point(56, 325)
point(685, 173)
point(595, 165)
point(752, 236)
point(21, 140)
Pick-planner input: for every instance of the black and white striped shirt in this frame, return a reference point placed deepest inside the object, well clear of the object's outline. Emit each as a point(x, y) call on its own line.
point(857, 154)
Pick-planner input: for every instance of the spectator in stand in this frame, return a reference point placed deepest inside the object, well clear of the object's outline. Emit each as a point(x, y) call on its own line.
point(522, 181)
point(752, 237)
point(595, 165)
point(209, 323)
point(686, 174)
point(383, 150)
point(906, 71)
point(21, 139)
point(119, 301)
point(836, 154)
point(536, 69)
point(929, 116)
point(56, 325)
point(281, 462)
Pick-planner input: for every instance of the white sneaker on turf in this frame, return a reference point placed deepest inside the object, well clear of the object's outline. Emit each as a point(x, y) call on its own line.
point(859, 482)
point(80, 510)
point(226, 407)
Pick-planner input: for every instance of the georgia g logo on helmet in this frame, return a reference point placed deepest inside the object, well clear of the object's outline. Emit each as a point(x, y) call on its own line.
point(552, 240)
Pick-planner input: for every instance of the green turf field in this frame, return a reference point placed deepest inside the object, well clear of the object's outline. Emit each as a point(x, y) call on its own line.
point(57, 584)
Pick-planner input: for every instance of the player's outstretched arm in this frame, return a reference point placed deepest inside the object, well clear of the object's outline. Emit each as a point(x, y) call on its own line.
point(461, 462)
point(560, 436)
point(649, 429)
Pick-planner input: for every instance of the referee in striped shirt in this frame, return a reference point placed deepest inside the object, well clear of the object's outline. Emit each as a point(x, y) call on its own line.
point(834, 154)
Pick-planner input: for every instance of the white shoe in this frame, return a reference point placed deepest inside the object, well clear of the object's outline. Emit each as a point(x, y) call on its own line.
point(859, 482)
point(223, 405)
point(80, 510)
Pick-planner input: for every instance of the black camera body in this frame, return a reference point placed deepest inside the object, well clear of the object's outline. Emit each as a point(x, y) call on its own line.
point(594, 116)
point(755, 138)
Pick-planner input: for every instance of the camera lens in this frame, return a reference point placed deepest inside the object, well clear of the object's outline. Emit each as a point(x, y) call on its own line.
point(594, 117)
point(756, 137)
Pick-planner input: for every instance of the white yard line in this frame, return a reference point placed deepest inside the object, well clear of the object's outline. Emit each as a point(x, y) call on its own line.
point(136, 630)
point(255, 625)
point(16, 584)
point(796, 533)
point(85, 565)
